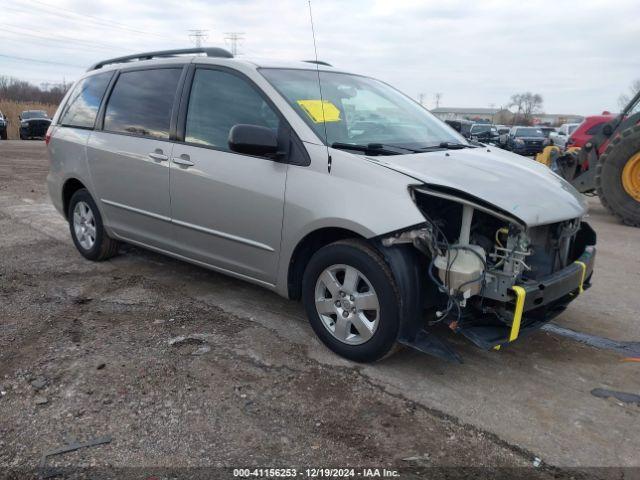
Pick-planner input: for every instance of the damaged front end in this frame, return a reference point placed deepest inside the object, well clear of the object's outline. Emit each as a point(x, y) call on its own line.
point(483, 272)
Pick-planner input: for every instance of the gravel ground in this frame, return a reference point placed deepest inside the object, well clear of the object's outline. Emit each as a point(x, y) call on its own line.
point(128, 349)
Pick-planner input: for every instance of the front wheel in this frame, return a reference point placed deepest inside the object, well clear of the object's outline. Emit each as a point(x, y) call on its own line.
point(87, 230)
point(351, 299)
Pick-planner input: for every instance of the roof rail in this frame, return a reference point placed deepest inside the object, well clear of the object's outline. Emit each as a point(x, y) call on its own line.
point(210, 52)
point(318, 62)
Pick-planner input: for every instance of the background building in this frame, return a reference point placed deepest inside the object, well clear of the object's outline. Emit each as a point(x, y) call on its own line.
point(502, 116)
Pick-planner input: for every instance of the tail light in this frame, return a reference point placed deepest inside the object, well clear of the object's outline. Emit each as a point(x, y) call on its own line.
point(47, 135)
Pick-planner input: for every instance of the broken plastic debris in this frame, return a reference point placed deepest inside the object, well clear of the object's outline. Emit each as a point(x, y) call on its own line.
point(68, 448)
point(201, 350)
point(537, 462)
point(192, 338)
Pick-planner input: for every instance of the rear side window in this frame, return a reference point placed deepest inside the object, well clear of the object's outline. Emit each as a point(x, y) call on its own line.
point(141, 102)
point(84, 102)
point(220, 100)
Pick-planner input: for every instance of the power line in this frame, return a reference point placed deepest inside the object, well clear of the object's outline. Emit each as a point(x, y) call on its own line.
point(57, 38)
point(198, 37)
point(35, 60)
point(104, 21)
point(234, 38)
point(53, 43)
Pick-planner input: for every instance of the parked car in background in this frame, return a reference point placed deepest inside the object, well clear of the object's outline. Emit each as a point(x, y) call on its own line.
point(33, 124)
point(526, 140)
point(592, 125)
point(3, 126)
point(561, 135)
point(484, 132)
point(503, 135)
point(546, 131)
point(463, 127)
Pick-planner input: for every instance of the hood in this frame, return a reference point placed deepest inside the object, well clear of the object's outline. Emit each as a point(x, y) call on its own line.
point(531, 138)
point(522, 187)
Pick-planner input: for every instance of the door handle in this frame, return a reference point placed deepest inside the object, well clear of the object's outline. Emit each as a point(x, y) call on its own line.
point(158, 157)
point(183, 160)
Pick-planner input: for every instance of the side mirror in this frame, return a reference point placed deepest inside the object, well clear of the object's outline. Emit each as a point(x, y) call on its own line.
point(607, 130)
point(253, 140)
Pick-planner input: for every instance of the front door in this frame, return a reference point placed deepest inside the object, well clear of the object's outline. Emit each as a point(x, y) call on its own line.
point(226, 208)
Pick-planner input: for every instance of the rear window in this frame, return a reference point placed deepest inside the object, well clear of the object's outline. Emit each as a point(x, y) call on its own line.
point(84, 102)
point(529, 132)
point(141, 102)
point(595, 129)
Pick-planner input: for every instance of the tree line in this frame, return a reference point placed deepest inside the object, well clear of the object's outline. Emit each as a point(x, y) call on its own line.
point(22, 91)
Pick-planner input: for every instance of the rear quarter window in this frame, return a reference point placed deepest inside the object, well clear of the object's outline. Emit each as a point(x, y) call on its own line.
point(84, 102)
point(141, 102)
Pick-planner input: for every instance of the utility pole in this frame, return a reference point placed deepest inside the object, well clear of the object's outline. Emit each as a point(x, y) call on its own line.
point(198, 37)
point(234, 38)
point(421, 98)
point(437, 97)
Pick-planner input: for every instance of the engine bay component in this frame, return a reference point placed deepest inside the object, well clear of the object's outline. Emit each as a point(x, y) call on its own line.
point(461, 266)
point(461, 269)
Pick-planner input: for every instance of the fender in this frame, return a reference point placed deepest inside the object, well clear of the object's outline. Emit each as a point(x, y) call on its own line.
point(416, 293)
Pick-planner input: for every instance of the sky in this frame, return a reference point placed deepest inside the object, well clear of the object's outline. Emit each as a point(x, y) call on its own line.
point(579, 55)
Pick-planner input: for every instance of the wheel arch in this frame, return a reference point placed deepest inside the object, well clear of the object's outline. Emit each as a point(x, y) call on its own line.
point(70, 186)
point(305, 249)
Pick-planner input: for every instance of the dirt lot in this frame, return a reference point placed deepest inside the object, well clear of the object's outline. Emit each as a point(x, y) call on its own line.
point(86, 351)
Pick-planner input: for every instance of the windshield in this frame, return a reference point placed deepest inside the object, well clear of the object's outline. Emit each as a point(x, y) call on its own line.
point(572, 128)
point(33, 114)
point(359, 110)
point(529, 132)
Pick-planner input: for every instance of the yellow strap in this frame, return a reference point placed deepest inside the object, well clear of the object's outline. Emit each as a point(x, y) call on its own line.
point(517, 313)
point(584, 274)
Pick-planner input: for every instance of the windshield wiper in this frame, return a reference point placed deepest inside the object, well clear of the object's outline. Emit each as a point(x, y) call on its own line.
point(374, 148)
point(453, 145)
point(446, 146)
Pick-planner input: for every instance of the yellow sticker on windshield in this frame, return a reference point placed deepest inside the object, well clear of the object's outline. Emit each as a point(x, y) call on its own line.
point(320, 111)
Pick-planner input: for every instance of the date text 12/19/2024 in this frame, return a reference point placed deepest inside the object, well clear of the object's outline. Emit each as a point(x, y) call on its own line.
point(315, 473)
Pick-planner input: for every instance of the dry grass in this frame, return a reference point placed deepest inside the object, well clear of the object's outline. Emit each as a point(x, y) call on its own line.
point(12, 109)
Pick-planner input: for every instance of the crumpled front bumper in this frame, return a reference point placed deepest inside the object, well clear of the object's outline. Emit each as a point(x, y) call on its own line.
point(537, 302)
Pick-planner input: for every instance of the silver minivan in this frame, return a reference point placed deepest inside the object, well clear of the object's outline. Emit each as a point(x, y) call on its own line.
point(324, 186)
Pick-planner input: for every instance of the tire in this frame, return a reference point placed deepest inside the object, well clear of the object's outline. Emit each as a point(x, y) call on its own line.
point(609, 176)
point(370, 334)
point(3, 135)
point(102, 247)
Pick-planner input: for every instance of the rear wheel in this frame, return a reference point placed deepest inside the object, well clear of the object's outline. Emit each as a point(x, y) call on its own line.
point(3, 135)
point(87, 231)
point(618, 176)
point(351, 300)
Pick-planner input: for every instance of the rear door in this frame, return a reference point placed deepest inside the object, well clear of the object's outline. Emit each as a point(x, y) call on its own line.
point(129, 158)
point(227, 208)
